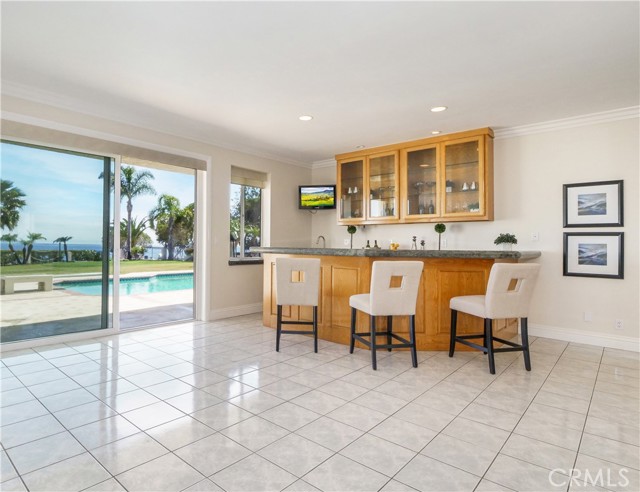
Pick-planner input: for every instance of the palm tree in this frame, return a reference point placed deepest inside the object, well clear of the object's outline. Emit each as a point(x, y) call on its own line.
point(11, 200)
point(27, 245)
point(11, 238)
point(133, 183)
point(163, 219)
point(139, 238)
point(61, 240)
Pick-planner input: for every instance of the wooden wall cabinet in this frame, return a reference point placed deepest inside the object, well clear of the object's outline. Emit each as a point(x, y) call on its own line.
point(369, 189)
point(441, 179)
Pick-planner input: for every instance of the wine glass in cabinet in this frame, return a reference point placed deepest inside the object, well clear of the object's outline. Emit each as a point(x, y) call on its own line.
point(464, 181)
point(419, 171)
point(351, 190)
point(383, 188)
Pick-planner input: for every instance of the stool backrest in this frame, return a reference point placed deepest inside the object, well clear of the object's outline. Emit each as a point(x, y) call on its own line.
point(299, 289)
point(387, 297)
point(510, 289)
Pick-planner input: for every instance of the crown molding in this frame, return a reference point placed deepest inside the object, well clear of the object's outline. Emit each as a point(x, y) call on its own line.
point(565, 123)
point(71, 104)
point(85, 132)
point(54, 100)
point(324, 163)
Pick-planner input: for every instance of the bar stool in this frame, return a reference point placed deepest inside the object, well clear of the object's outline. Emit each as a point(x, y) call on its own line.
point(299, 291)
point(508, 295)
point(388, 300)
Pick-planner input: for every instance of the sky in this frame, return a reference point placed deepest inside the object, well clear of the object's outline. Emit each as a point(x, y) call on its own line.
point(64, 194)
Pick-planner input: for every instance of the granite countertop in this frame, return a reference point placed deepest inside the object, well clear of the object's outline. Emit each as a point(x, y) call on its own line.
point(404, 253)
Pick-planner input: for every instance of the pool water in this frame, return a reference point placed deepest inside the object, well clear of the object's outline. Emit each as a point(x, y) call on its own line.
point(131, 286)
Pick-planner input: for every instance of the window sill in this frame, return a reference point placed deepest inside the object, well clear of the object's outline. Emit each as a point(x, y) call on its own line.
point(245, 261)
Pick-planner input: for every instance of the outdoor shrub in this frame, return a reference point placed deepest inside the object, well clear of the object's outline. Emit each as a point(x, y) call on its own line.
point(86, 255)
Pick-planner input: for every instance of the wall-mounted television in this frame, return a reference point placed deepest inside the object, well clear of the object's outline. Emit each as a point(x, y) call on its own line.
point(316, 197)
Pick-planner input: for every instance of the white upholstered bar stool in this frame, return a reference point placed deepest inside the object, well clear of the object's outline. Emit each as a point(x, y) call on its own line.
point(297, 284)
point(387, 298)
point(509, 292)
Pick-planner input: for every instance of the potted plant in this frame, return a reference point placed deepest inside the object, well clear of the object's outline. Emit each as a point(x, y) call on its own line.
point(440, 228)
point(507, 240)
point(351, 230)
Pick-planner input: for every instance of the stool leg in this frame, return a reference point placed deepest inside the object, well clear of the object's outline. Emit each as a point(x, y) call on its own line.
point(352, 342)
point(488, 341)
point(374, 363)
point(278, 327)
point(452, 337)
point(412, 339)
point(524, 333)
point(389, 328)
point(315, 329)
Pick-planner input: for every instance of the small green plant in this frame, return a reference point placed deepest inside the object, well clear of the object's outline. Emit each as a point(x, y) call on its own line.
point(351, 230)
point(440, 228)
point(506, 238)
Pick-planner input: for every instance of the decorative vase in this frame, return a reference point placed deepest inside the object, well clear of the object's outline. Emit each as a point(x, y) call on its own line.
point(507, 246)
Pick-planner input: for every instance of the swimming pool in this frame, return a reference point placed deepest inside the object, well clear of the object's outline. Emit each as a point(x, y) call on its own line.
point(135, 285)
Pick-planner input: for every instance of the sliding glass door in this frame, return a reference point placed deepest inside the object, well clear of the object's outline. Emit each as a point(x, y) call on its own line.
point(57, 242)
point(157, 243)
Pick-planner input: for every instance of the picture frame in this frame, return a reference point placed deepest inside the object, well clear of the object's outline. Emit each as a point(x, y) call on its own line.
point(595, 204)
point(593, 254)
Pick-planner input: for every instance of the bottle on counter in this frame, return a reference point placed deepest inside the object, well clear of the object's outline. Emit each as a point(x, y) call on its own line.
point(375, 244)
point(368, 246)
point(413, 243)
point(422, 243)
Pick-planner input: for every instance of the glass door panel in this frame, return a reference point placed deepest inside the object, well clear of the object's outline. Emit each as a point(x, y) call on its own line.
point(421, 179)
point(157, 242)
point(462, 177)
point(352, 189)
point(57, 210)
point(383, 186)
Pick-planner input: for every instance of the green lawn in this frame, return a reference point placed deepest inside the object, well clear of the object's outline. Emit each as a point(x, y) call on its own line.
point(61, 268)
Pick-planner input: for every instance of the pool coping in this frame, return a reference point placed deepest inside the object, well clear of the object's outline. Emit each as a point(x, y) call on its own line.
point(91, 277)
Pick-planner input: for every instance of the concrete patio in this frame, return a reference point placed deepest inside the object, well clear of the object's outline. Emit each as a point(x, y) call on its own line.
point(30, 314)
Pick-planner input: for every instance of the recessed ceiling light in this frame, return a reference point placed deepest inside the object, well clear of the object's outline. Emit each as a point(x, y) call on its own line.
point(424, 165)
point(359, 146)
point(305, 117)
point(437, 109)
point(435, 132)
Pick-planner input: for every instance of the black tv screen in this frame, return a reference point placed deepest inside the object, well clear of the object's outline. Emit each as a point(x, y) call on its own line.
point(316, 196)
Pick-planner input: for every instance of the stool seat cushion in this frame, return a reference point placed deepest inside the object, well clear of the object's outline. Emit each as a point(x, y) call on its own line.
point(474, 305)
point(362, 302)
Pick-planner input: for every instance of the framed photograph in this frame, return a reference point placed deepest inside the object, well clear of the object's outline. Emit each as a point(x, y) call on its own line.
point(597, 204)
point(593, 254)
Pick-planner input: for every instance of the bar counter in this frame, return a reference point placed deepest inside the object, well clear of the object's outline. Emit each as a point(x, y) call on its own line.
point(345, 272)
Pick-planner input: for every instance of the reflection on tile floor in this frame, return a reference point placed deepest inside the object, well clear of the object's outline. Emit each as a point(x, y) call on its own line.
point(212, 406)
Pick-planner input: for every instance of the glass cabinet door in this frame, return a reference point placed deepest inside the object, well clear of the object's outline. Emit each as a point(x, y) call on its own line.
point(383, 186)
point(351, 183)
point(462, 172)
point(421, 174)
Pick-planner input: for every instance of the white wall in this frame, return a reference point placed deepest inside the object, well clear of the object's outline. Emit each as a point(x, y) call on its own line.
point(529, 173)
point(233, 290)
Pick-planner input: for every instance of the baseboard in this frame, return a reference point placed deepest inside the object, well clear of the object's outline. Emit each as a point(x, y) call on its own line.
point(231, 312)
point(577, 336)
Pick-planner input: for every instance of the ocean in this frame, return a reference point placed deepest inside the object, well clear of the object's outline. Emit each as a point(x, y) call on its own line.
point(153, 252)
point(54, 246)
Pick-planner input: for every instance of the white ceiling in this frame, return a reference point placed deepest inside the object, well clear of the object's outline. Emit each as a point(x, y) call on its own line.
point(239, 74)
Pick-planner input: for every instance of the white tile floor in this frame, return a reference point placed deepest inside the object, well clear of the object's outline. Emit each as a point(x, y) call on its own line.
point(212, 406)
